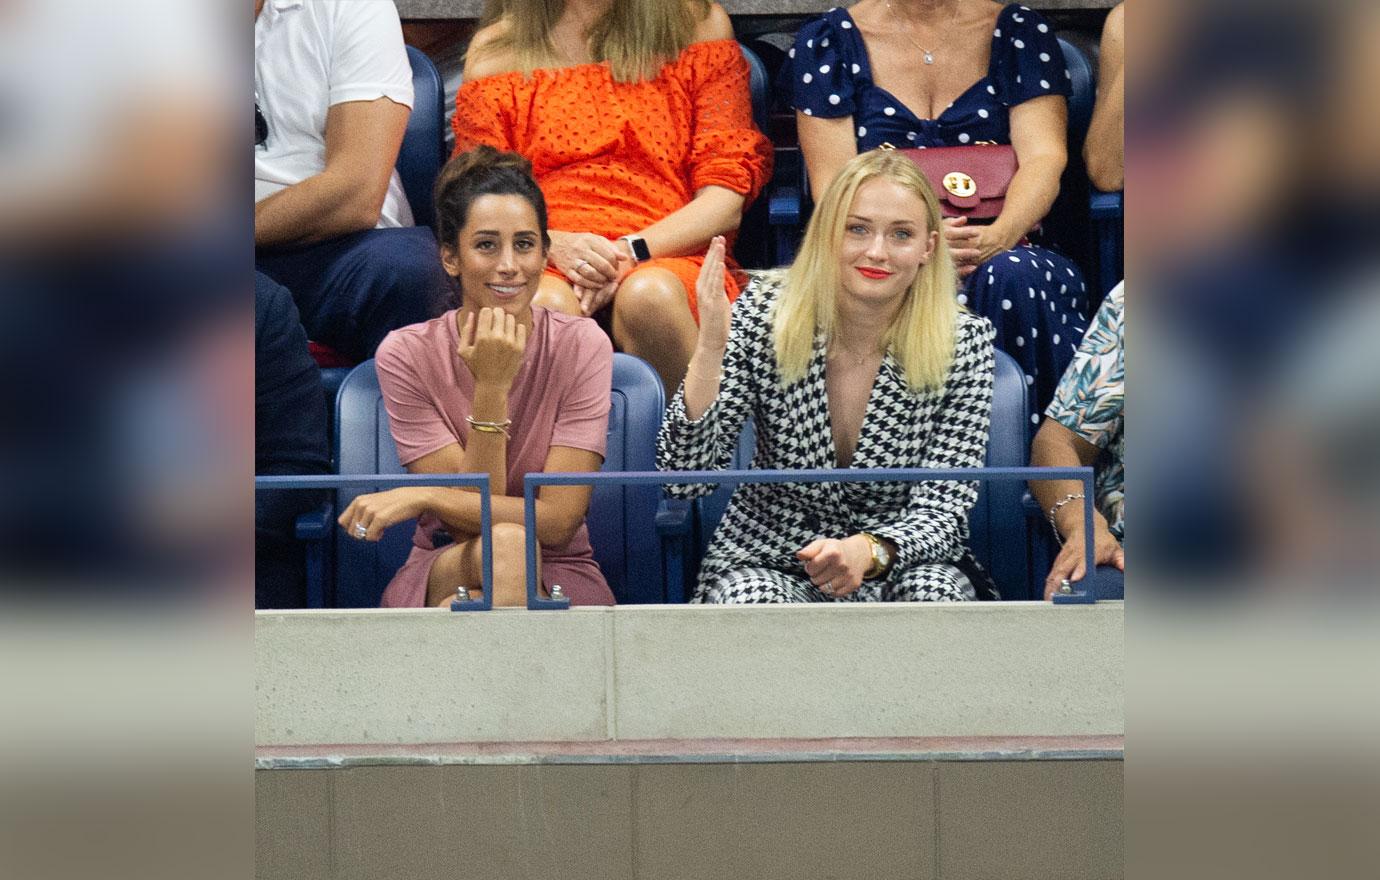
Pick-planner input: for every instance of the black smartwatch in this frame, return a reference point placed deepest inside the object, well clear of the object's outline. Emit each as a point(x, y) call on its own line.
point(638, 245)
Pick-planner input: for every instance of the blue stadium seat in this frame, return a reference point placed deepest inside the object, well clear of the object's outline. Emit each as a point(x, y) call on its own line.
point(423, 150)
point(997, 522)
point(621, 518)
point(757, 86)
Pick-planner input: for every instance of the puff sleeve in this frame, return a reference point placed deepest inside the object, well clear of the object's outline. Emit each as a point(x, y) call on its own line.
point(1026, 59)
point(485, 113)
point(726, 149)
point(821, 70)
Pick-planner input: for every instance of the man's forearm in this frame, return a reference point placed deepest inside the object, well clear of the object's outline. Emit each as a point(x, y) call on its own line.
point(320, 207)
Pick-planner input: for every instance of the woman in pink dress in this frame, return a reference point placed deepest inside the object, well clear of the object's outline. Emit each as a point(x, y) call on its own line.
point(495, 387)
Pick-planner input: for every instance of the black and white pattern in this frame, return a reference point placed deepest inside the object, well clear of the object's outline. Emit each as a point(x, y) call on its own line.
point(752, 556)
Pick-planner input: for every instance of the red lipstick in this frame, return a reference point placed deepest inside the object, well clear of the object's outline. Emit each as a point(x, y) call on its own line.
point(874, 274)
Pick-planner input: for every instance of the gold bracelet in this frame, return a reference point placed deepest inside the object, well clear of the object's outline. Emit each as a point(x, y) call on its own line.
point(491, 427)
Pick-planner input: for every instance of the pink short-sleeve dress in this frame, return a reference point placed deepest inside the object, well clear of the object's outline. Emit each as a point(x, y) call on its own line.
point(560, 397)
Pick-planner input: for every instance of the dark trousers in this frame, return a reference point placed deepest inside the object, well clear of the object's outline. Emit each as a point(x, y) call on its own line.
point(351, 291)
point(289, 438)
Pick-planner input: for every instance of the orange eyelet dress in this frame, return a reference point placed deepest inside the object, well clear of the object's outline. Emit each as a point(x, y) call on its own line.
point(613, 158)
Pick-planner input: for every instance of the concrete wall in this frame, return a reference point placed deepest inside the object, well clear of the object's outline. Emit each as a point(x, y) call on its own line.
point(863, 820)
point(688, 672)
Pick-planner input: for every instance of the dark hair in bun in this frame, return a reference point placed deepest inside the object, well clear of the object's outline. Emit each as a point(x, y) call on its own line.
point(483, 171)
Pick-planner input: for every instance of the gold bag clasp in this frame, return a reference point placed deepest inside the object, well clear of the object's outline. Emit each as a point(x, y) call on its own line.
point(959, 184)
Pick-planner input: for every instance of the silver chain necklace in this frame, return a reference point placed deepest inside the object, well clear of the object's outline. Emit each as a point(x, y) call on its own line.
point(925, 53)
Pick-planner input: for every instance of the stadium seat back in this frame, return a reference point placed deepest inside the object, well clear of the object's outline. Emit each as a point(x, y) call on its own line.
point(423, 150)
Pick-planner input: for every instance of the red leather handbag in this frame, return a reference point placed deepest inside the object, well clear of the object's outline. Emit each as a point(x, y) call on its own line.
point(969, 181)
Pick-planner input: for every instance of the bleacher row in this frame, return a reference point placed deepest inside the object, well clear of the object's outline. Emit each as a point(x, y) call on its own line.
point(648, 545)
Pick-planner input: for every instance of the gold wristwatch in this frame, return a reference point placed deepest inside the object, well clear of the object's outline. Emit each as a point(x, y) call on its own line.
point(881, 557)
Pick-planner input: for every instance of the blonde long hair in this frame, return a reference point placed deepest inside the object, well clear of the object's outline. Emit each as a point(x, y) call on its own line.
point(921, 336)
point(635, 37)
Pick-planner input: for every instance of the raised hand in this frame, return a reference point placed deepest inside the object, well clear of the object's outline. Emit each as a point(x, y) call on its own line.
point(715, 309)
point(492, 343)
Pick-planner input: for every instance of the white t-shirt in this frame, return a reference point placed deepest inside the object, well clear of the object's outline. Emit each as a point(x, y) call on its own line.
point(310, 55)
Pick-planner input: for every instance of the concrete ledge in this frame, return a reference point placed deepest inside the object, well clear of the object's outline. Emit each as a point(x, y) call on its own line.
point(600, 675)
point(697, 751)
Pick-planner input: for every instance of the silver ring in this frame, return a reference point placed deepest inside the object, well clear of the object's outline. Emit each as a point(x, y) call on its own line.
point(581, 264)
point(361, 530)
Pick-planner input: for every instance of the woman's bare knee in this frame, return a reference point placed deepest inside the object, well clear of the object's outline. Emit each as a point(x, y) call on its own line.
point(556, 295)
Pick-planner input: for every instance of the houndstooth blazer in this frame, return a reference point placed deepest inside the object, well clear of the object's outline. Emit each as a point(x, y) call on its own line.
point(766, 524)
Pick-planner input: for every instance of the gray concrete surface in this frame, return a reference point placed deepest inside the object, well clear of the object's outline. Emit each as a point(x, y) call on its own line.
point(650, 672)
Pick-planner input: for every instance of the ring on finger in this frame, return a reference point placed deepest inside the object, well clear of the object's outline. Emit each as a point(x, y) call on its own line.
point(361, 530)
point(580, 265)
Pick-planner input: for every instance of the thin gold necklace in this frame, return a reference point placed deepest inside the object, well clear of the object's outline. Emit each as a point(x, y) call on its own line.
point(926, 53)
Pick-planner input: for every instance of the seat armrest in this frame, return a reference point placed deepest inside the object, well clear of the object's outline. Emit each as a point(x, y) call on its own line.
point(314, 529)
point(673, 518)
point(1106, 206)
point(784, 207)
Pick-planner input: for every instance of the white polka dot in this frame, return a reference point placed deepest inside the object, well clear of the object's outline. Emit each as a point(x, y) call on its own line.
point(890, 111)
point(809, 44)
point(1049, 277)
point(997, 32)
point(846, 25)
point(1044, 56)
point(910, 135)
point(1063, 288)
point(1017, 19)
point(807, 77)
point(991, 279)
point(1068, 270)
point(963, 137)
point(862, 131)
point(991, 90)
point(1067, 75)
point(1006, 305)
point(1034, 418)
point(1013, 258)
point(1043, 296)
point(834, 99)
point(824, 43)
point(1056, 338)
point(824, 68)
point(962, 299)
point(1043, 28)
point(791, 54)
point(856, 69)
point(1082, 286)
point(1065, 319)
point(1019, 44)
point(809, 112)
point(1020, 342)
point(1051, 307)
point(1032, 292)
point(1044, 83)
point(1029, 379)
point(1034, 332)
point(983, 113)
point(1018, 79)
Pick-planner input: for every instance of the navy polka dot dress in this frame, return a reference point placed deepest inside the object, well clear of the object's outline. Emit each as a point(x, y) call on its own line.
point(1036, 298)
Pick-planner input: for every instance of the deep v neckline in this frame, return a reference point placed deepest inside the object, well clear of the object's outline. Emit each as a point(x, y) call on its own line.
point(881, 382)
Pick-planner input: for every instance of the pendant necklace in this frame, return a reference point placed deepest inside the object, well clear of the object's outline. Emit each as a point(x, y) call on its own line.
point(925, 53)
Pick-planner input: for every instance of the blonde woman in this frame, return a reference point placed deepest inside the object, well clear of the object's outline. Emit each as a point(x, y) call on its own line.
point(857, 356)
point(638, 122)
